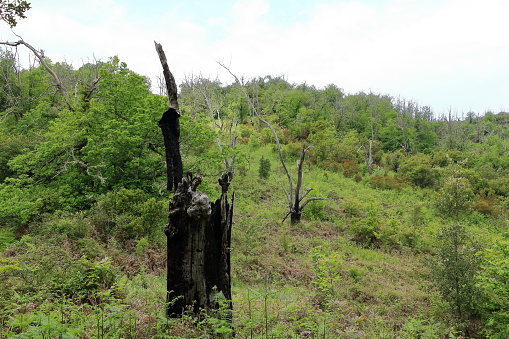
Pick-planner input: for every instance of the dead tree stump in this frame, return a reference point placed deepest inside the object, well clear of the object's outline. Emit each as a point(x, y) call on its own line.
point(198, 238)
point(198, 231)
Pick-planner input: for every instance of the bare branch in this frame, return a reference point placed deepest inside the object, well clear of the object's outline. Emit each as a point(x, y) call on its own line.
point(40, 56)
point(288, 196)
point(286, 216)
point(306, 193)
point(228, 164)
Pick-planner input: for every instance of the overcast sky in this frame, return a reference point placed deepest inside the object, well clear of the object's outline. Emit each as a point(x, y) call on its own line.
point(448, 54)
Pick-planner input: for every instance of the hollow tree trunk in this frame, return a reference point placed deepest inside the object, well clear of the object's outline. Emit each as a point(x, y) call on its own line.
point(198, 237)
point(198, 231)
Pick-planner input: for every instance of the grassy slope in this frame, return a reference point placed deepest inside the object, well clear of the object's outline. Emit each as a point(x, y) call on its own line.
point(315, 276)
point(355, 267)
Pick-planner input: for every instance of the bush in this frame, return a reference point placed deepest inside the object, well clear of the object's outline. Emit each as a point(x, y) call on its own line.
point(366, 230)
point(89, 277)
point(128, 214)
point(353, 207)
point(393, 160)
point(349, 168)
point(326, 267)
point(315, 211)
point(264, 169)
point(455, 197)
point(49, 268)
point(19, 203)
point(387, 183)
point(500, 186)
point(493, 280)
point(418, 169)
point(6, 238)
point(456, 264)
point(74, 225)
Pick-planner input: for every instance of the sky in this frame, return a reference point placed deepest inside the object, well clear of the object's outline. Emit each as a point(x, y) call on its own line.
point(451, 55)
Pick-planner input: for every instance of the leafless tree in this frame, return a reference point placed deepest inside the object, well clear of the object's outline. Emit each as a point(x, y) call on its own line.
point(223, 128)
point(294, 197)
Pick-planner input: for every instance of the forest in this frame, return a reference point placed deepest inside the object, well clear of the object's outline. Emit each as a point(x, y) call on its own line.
point(411, 241)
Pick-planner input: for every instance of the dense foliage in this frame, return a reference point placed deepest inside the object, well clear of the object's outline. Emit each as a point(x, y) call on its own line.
point(411, 241)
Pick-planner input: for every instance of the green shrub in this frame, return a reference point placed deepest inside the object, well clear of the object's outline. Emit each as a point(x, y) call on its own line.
point(74, 225)
point(387, 183)
point(493, 280)
point(10, 146)
point(455, 267)
point(128, 214)
point(392, 161)
point(315, 211)
point(6, 238)
point(264, 168)
point(48, 268)
point(89, 277)
point(418, 169)
point(141, 246)
point(455, 197)
point(327, 269)
point(366, 230)
point(500, 186)
point(420, 328)
point(19, 202)
point(353, 207)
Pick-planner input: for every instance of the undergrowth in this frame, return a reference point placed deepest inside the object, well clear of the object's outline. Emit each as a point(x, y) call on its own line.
point(357, 266)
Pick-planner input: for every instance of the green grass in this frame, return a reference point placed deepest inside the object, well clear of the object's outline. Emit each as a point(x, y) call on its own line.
point(357, 266)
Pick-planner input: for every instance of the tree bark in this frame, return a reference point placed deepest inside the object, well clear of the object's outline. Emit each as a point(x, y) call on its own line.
point(368, 156)
point(198, 231)
point(170, 127)
point(198, 237)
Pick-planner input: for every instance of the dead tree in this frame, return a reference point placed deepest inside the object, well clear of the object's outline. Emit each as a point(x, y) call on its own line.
point(294, 198)
point(198, 230)
point(170, 127)
point(40, 56)
point(368, 156)
point(218, 124)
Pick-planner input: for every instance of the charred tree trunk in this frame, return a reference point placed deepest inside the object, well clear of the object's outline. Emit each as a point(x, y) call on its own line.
point(198, 231)
point(199, 237)
point(170, 127)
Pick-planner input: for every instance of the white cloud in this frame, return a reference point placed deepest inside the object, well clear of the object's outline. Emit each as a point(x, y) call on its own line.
point(442, 53)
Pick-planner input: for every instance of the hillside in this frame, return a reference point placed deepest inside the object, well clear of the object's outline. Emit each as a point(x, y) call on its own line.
point(410, 243)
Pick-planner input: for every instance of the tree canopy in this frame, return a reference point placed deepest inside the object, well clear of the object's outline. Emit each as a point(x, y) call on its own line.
point(13, 10)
